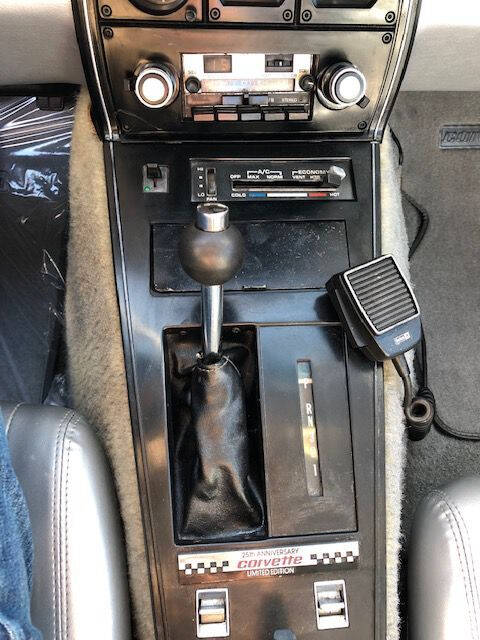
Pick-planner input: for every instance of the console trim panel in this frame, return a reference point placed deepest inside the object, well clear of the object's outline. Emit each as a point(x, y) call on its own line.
point(145, 371)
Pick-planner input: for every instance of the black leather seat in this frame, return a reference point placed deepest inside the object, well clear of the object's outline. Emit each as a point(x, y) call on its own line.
point(444, 564)
point(80, 588)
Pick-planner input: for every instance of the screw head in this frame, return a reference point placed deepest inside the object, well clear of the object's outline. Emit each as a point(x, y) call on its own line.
point(190, 14)
point(287, 15)
point(390, 16)
point(387, 38)
point(306, 15)
point(108, 33)
point(106, 11)
point(215, 13)
point(362, 125)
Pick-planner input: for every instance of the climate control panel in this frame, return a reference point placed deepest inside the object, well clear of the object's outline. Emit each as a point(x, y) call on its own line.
point(263, 180)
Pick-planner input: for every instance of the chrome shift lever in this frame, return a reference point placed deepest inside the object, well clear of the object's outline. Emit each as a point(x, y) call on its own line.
point(212, 318)
point(211, 251)
point(214, 219)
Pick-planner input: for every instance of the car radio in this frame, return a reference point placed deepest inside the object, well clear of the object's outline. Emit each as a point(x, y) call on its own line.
point(247, 86)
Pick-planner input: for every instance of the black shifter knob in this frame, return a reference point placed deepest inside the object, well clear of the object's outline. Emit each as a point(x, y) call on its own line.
point(211, 251)
point(219, 500)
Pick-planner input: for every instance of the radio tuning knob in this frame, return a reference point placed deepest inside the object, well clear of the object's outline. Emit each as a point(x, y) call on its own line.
point(156, 85)
point(341, 85)
point(307, 82)
point(192, 84)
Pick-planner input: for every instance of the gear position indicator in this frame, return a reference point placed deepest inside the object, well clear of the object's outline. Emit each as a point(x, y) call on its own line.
point(309, 429)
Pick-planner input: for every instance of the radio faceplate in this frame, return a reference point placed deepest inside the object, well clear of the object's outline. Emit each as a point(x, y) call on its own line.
point(122, 53)
point(246, 86)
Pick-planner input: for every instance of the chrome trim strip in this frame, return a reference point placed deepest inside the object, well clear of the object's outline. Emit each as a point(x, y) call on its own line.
point(95, 69)
point(374, 200)
point(399, 62)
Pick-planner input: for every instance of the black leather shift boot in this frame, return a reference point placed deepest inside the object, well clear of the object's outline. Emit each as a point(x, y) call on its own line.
point(223, 500)
point(216, 493)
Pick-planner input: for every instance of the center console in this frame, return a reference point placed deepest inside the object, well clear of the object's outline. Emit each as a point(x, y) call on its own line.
point(241, 147)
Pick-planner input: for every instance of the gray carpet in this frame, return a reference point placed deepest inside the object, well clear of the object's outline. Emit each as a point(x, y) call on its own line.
point(95, 350)
point(394, 241)
point(446, 274)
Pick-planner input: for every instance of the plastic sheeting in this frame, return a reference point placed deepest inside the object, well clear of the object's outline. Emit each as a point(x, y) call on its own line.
point(34, 158)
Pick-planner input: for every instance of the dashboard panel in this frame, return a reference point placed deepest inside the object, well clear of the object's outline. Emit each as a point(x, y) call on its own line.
point(186, 115)
point(256, 11)
point(329, 68)
point(38, 43)
point(52, 55)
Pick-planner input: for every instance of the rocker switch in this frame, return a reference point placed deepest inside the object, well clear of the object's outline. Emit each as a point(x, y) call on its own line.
point(212, 613)
point(155, 178)
point(331, 604)
point(211, 182)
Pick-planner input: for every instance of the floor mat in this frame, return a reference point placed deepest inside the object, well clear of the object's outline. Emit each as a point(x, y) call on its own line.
point(34, 158)
point(446, 274)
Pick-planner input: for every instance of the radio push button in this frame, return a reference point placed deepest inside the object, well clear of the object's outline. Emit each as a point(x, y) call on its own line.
point(274, 113)
point(232, 100)
point(297, 113)
point(249, 113)
point(226, 114)
point(203, 114)
point(258, 99)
